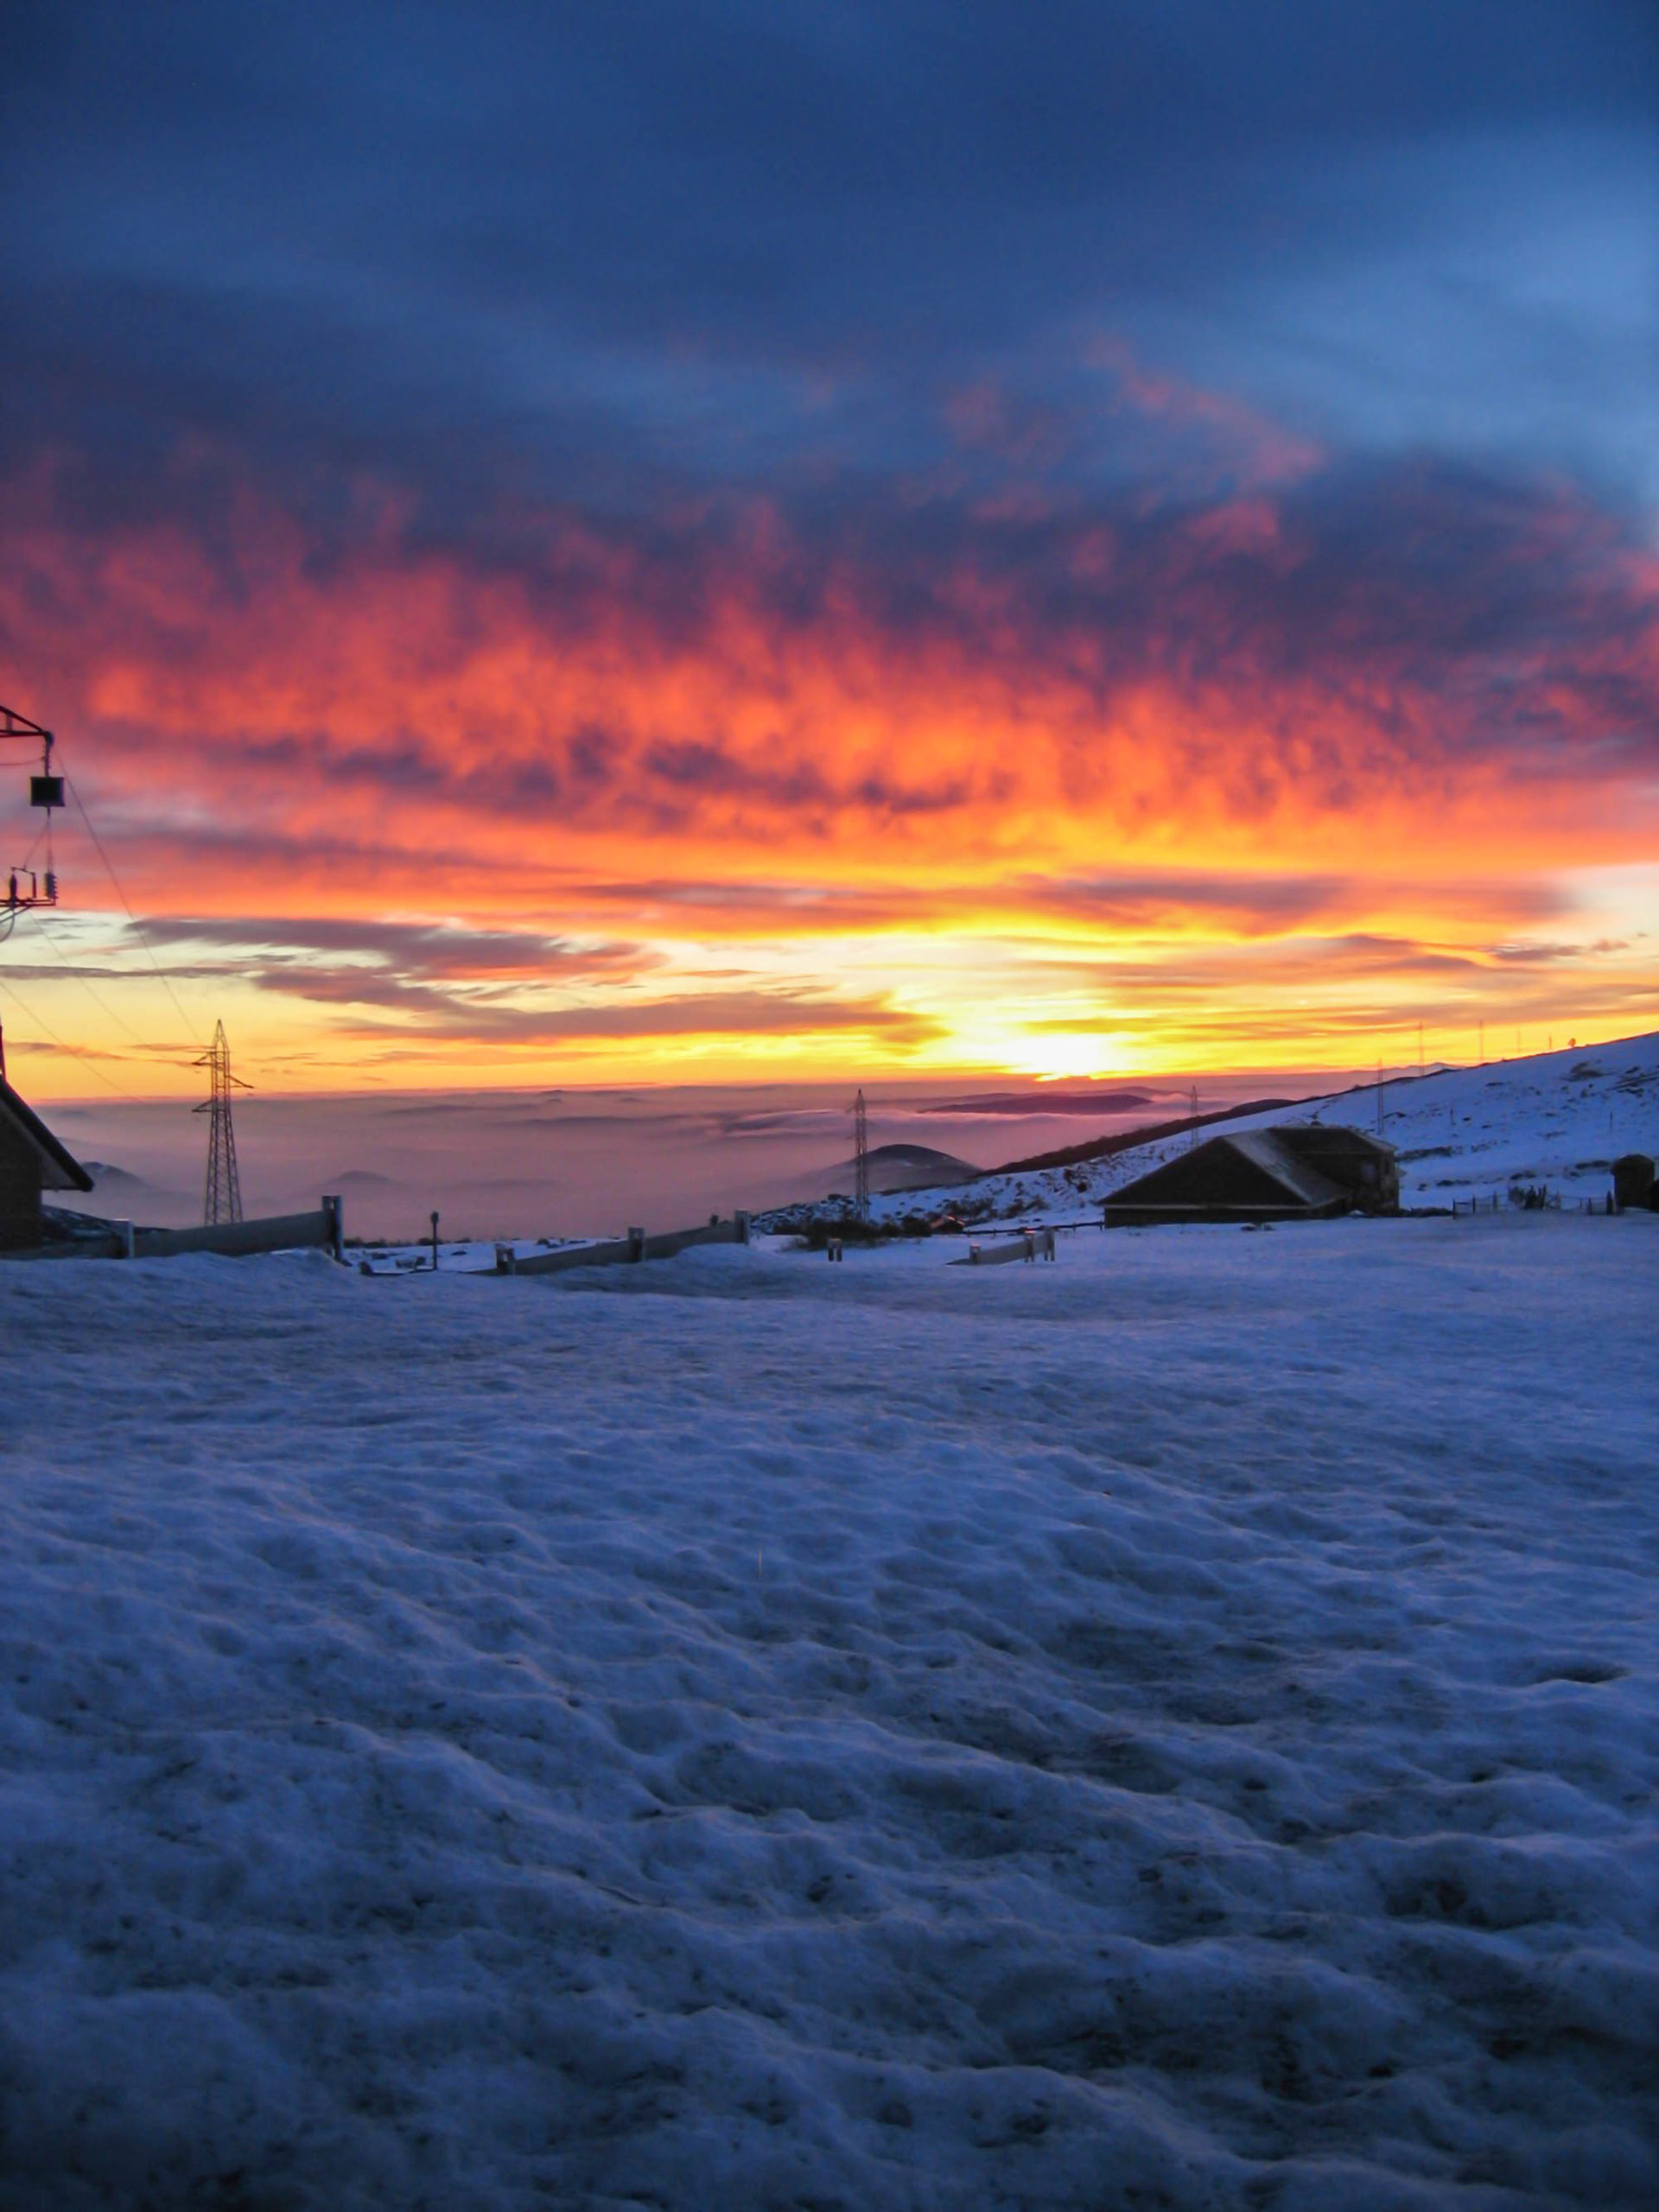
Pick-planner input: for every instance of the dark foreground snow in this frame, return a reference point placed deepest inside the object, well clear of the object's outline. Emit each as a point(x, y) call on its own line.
point(1177, 1727)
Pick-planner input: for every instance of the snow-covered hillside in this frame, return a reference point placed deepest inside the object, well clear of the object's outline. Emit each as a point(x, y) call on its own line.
point(1559, 1119)
point(1176, 1727)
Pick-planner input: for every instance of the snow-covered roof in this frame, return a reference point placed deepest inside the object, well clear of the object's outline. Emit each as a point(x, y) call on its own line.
point(1243, 1168)
point(1267, 1150)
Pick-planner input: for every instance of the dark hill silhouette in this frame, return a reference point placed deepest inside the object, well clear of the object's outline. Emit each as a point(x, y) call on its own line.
point(1073, 1155)
point(1024, 1104)
point(914, 1167)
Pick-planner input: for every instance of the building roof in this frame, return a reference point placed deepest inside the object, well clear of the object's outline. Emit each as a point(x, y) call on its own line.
point(1247, 1172)
point(59, 1171)
point(1267, 1151)
point(1331, 1141)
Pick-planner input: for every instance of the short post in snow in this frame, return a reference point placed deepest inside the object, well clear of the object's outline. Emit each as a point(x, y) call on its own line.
point(128, 1249)
point(636, 1243)
point(435, 1243)
point(335, 1227)
point(740, 1224)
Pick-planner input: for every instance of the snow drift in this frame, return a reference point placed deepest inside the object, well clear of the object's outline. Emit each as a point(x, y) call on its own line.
point(1177, 1727)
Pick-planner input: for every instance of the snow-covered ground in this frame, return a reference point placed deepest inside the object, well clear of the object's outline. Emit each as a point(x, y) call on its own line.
point(1558, 1119)
point(474, 1255)
point(1176, 1727)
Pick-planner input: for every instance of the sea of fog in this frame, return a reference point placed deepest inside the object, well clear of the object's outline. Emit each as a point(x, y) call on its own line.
point(591, 1161)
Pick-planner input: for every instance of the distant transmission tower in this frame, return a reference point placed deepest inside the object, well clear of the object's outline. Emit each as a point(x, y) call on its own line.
point(861, 1150)
point(222, 1193)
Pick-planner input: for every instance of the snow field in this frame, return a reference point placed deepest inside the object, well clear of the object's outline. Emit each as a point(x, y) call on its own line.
point(1176, 1727)
point(1559, 1119)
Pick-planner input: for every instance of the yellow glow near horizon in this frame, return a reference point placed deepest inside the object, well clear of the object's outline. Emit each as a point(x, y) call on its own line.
point(1044, 1005)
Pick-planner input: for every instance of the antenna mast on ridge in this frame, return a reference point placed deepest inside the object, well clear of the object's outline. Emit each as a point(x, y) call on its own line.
point(862, 1163)
point(222, 1193)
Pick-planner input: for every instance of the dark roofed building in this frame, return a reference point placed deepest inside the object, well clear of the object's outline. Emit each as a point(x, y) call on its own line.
point(1364, 1166)
point(1299, 1172)
point(31, 1161)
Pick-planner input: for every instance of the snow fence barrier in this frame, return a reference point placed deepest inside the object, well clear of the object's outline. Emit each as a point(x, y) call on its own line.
point(636, 1245)
point(283, 1232)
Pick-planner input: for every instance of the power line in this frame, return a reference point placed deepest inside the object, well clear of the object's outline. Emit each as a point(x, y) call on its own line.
point(46, 790)
point(9, 913)
point(12, 993)
point(109, 870)
point(97, 997)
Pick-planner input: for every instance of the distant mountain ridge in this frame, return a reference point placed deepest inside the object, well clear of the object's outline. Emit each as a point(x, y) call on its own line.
point(1073, 1155)
point(1025, 1105)
point(913, 1167)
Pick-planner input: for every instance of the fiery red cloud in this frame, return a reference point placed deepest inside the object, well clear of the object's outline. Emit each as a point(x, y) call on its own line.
point(1339, 701)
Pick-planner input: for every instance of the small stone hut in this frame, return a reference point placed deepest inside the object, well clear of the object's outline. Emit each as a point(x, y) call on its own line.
point(1299, 1172)
point(31, 1161)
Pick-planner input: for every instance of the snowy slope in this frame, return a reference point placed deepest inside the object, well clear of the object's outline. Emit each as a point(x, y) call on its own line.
point(1177, 1727)
point(1557, 1118)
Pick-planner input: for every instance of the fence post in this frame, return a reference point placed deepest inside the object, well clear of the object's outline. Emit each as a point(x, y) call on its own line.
point(335, 1212)
point(636, 1243)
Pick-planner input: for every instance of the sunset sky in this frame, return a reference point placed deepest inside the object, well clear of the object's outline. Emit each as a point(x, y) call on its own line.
point(629, 543)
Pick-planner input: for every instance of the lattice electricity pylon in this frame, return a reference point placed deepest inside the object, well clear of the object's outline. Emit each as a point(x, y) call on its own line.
point(222, 1193)
point(861, 1160)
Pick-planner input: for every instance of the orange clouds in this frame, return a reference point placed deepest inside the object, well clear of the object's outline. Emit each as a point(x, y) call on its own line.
point(1332, 703)
point(398, 693)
